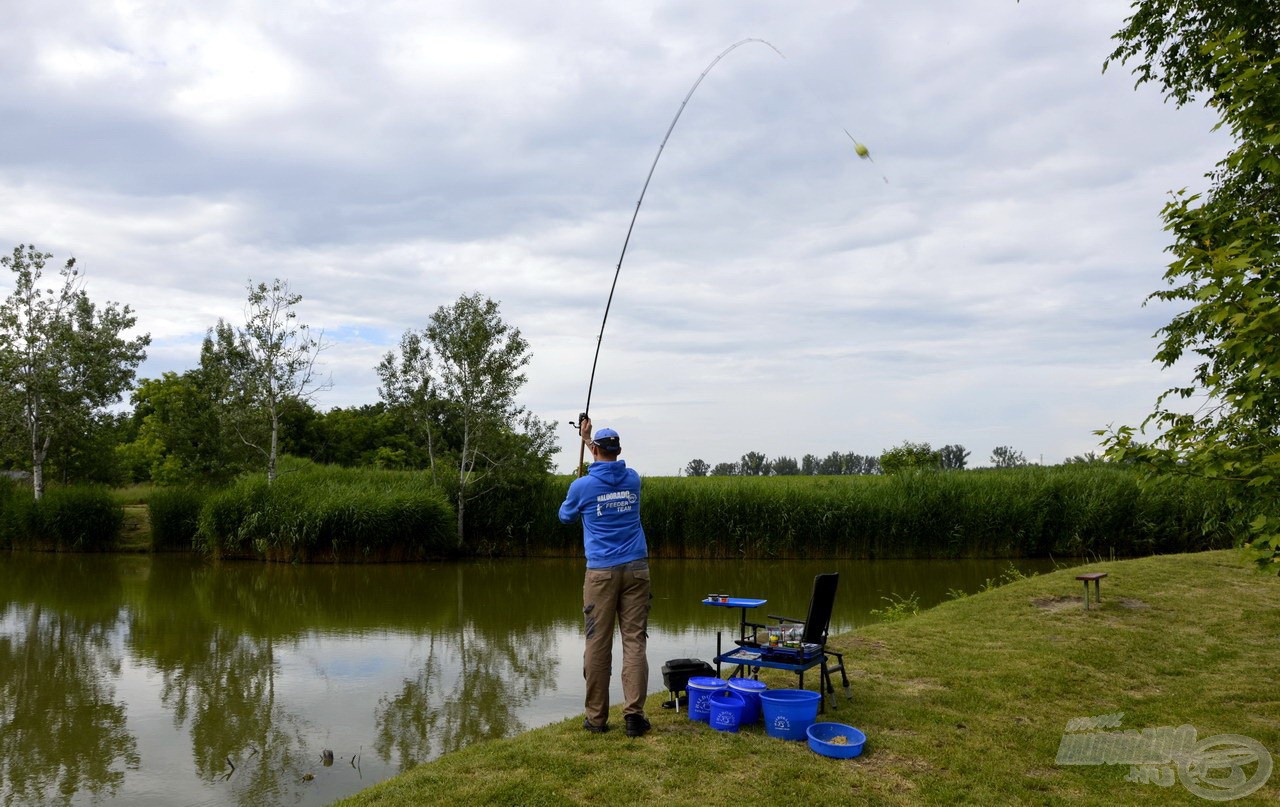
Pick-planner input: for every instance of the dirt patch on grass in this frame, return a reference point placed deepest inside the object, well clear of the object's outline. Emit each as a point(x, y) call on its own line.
point(895, 770)
point(1055, 603)
point(1126, 602)
point(915, 686)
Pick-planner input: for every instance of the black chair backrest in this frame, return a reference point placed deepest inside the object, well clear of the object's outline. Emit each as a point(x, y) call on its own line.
point(820, 607)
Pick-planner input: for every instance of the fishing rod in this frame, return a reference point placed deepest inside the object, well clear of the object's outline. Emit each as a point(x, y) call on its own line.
point(626, 241)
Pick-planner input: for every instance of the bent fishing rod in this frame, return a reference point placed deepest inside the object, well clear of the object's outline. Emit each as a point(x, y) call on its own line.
point(626, 241)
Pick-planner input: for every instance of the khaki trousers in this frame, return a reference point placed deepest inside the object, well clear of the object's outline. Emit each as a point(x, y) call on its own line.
point(621, 594)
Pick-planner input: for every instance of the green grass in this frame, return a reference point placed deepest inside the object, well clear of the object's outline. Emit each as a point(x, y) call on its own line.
point(964, 703)
point(137, 493)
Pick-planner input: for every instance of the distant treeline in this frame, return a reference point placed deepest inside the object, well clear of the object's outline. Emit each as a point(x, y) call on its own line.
point(908, 456)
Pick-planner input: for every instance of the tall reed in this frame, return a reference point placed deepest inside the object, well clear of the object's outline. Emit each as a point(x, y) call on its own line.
point(1024, 512)
point(76, 518)
point(175, 517)
point(323, 513)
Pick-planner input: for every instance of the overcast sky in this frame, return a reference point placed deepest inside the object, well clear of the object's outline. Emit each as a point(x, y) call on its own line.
point(779, 295)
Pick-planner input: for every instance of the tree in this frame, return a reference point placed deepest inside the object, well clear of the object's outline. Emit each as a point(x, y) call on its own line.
point(809, 464)
point(953, 457)
point(753, 463)
point(180, 431)
point(409, 385)
point(832, 464)
point(696, 468)
point(1007, 457)
point(267, 365)
point(785, 466)
point(1225, 268)
point(910, 457)
point(62, 359)
point(725, 469)
point(460, 375)
point(859, 464)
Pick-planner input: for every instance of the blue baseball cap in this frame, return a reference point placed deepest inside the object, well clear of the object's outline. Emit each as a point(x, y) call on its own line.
point(608, 440)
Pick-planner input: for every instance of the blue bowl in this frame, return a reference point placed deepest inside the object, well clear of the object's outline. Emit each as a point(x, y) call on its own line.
point(821, 735)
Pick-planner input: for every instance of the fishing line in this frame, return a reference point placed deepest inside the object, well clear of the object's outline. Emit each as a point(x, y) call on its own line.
point(626, 241)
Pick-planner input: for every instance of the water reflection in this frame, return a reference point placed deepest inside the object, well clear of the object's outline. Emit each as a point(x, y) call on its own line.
point(62, 729)
point(165, 680)
point(436, 712)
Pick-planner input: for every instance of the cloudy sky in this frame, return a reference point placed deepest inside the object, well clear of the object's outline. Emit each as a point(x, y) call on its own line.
point(981, 282)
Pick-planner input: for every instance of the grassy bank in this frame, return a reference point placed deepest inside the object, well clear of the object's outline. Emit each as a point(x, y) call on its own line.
point(966, 703)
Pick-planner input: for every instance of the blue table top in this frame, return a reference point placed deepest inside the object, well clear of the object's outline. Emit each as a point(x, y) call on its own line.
point(736, 602)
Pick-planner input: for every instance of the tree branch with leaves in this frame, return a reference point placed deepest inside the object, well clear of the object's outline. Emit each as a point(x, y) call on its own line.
point(1225, 422)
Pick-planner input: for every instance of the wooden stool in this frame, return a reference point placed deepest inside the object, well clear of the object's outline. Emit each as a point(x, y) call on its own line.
point(1096, 577)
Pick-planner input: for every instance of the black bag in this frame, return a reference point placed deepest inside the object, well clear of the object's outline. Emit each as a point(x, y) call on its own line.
point(677, 672)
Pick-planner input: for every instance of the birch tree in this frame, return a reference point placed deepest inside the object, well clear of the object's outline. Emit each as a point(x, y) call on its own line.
point(62, 359)
point(268, 363)
point(462, 372)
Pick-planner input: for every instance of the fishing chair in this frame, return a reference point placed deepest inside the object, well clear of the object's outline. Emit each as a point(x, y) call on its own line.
point(813, 652)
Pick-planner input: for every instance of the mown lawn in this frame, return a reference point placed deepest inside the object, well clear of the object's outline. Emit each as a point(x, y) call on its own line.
point(963, 704)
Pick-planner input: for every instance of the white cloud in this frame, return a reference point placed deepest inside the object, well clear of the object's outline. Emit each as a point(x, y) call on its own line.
point(777, 295)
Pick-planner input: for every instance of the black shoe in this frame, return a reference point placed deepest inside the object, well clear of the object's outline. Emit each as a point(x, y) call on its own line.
point(637, 725)
point(594, 729)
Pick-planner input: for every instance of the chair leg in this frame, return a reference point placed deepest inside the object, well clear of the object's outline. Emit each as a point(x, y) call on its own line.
point(844, 677)
point(824, 686)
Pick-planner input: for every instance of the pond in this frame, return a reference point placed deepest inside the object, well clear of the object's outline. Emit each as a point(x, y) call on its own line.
point(167, 680)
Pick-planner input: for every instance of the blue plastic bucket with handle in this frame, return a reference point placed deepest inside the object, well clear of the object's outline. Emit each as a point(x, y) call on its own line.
point(700, 690)
point(726, 710)
point(749, 689)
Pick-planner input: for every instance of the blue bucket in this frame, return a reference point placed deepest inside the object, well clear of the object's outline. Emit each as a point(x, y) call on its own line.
point(726, 710)
point(700, 690)
point(788, 713)
point(749, 689)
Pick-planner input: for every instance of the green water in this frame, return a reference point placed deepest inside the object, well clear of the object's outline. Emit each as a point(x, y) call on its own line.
point(170, 681)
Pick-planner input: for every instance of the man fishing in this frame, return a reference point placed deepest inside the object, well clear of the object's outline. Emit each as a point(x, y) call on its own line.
point(607, 499)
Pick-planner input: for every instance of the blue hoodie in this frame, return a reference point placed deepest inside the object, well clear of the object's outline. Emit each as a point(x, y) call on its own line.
point(607, 500)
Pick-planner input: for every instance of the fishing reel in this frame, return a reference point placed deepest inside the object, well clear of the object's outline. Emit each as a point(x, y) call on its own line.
point(578, 423)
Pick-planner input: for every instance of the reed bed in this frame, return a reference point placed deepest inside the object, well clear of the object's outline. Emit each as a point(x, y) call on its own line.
point(1023, 512)
point(73, 518)
point(175, 517)
point(328, 513)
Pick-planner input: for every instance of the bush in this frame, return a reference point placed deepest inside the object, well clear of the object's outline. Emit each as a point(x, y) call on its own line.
point(175, 517)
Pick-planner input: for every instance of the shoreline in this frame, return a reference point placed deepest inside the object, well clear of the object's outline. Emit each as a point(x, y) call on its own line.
point(967, 701)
